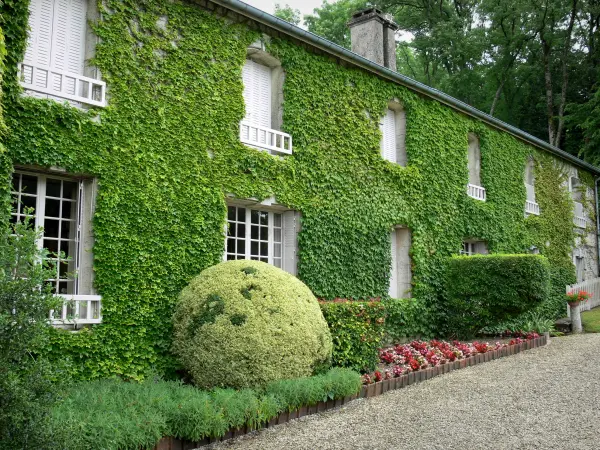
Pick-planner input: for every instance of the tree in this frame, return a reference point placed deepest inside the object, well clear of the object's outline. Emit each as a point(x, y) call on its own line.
point(287, 13)
point(523, 61)
point(330, 20)
point(29, 384)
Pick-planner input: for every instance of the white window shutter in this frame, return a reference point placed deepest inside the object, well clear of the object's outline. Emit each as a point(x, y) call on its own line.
point(530, 192)
point(291, 228)
point(39, 43)
point(393, 290)
point(257, 93)
point(388, 139)
point(68, 41)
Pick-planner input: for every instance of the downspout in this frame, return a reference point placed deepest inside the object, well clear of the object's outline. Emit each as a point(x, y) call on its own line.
point(597, 225)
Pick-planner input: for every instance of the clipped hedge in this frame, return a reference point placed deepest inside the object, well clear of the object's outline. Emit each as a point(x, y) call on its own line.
point(245, 323)
point(405, 318)
point(113, 414)
point(484, 290)
point(357, 329)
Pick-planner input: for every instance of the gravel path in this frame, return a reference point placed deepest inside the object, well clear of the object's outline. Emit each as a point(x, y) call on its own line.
point(545, 398)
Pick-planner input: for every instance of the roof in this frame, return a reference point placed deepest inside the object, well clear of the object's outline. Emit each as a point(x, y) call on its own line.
point(340, 52)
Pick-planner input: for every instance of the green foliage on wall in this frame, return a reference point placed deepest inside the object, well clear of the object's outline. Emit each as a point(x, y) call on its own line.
point(166, 151)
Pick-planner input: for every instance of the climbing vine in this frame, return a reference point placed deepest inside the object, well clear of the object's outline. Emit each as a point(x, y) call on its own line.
point(166, 152)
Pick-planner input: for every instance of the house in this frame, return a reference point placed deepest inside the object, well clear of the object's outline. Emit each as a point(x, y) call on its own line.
point(155, 138)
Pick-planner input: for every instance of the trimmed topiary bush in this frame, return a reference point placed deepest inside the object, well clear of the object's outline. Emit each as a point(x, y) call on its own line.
point(484, 290)
point(245, 323)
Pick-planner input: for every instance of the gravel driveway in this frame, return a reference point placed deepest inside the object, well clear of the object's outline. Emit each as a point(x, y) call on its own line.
point(545, 398)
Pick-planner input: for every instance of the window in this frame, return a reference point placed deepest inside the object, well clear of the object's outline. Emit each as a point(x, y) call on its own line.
point(474, 188)
point(63, 207)
point(576, 190)
point(474, 248)
point(54, 61)
point(258, 128)
point(531, 207)
point(393, 132)
point(401, 270)
point(263, 235)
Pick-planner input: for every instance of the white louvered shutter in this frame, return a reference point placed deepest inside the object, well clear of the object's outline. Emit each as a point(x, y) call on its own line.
point(39, 43)
point(393, 291)
point(291, 228)
point(68, 41)
point(257, 95)
point(388, 140)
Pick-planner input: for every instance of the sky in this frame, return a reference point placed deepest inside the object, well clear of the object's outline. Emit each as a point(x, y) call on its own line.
point(305, 6)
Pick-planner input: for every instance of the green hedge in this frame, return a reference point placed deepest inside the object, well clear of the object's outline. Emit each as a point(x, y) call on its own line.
point(113, 414)
point(405, 318)
point(484, 290)
point(357, 329)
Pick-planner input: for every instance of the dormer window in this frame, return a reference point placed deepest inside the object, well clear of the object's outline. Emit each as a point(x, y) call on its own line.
point(54, 62)
point(262, 77)
point(531, 207)
point(575, 188)
point(393, 131)
point(474, 188)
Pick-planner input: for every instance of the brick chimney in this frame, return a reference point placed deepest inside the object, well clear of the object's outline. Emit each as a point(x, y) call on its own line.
point(372, 36)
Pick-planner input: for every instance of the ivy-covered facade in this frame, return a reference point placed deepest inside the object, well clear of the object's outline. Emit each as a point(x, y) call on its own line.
point(155, 162)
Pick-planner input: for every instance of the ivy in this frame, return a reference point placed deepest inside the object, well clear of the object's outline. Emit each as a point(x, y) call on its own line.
point(166, 152)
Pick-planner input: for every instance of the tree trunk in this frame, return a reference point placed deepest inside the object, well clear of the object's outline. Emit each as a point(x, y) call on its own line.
point(497, 97)
point(565, 76)
point(549, 93)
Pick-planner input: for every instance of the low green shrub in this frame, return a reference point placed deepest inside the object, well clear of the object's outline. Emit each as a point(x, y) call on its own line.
point(245, 323)
point(337, 383)
point(29, 383)
point(485, 290)
point(404, 318)
point(357, 329)
point(114, 414)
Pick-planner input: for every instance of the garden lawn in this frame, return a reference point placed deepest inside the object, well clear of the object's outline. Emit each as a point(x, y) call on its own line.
point(591, 320)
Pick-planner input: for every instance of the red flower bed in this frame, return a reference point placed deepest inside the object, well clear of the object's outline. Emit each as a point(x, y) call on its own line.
point(419, 355)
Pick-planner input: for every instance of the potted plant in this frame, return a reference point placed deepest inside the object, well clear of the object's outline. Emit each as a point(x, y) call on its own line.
point(574, 299)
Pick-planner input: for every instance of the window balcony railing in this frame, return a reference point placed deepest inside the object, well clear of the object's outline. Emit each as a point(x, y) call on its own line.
point(579, 222)
point(476, 192)
point(265, 138)
point(532, 208)
point(78, 309)
point(59, 83)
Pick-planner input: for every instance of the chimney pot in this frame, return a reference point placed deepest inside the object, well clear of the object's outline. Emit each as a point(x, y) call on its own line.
point(373, 36)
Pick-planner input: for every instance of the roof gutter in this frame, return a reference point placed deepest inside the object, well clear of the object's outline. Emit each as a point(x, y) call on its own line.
point(342, 53)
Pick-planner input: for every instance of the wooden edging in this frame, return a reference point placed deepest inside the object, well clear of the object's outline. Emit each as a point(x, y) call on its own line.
point(367, 391)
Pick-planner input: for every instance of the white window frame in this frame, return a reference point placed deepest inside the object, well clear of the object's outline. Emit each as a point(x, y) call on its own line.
point(77, 308)
point(271, 258)
point(47, 81)
point(474, 186)
point(473, 247)
point(263, 135)
point(290, 228)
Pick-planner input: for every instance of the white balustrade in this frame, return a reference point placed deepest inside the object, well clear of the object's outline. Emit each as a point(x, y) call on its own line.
point(476, 192)
point(265, 138)
point(532, 208)
point(579, 222)
point(591, 286)
point(78, 309)
point(62, 84)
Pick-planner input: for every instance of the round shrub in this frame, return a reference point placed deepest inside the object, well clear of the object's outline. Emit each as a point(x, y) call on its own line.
point(245, 323)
